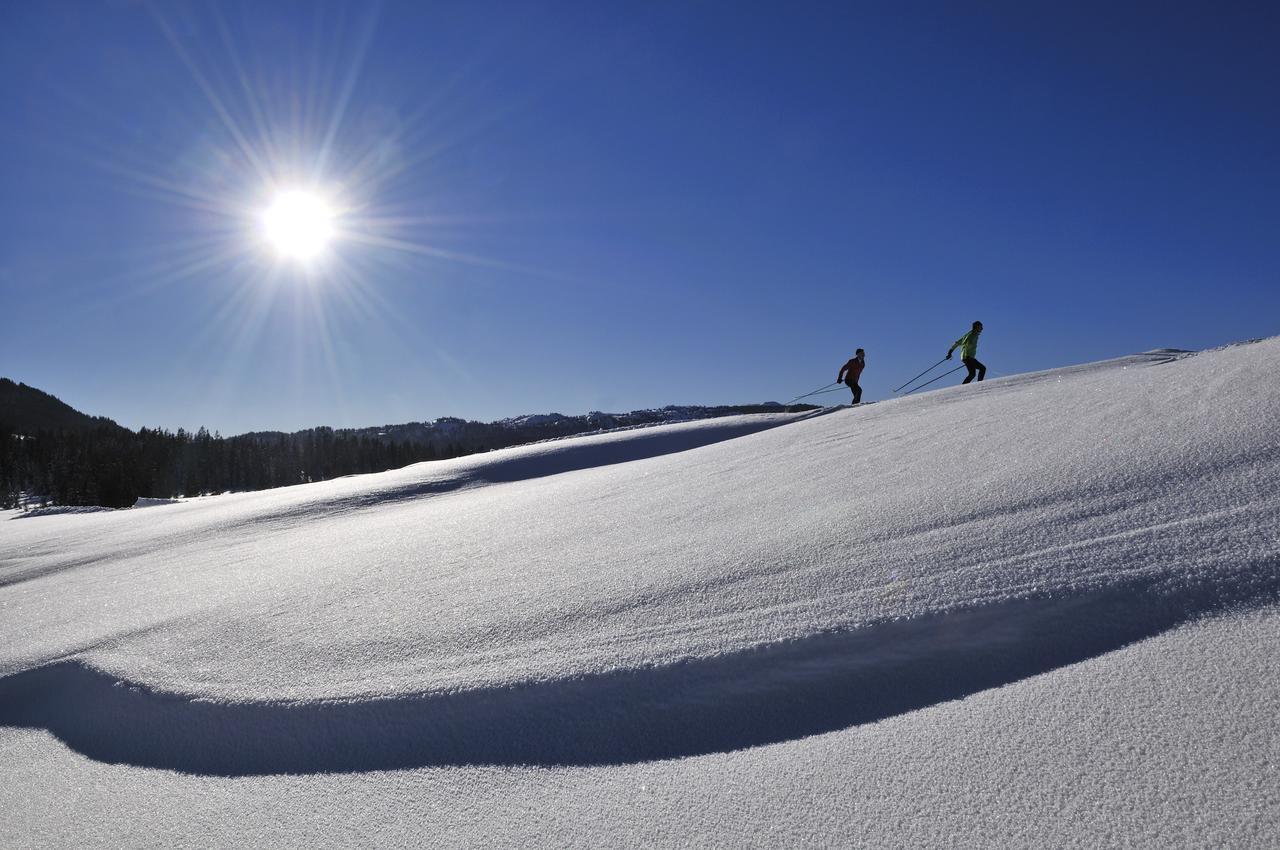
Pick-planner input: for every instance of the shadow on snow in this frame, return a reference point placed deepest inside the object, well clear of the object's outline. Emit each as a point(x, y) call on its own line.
point(766, 695)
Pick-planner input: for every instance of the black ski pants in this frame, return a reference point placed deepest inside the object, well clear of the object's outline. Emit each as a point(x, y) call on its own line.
point(975, 368)
point(857, 390)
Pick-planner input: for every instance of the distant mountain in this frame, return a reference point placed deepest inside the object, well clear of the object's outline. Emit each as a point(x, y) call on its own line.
point(25, 409)
point(449, 435)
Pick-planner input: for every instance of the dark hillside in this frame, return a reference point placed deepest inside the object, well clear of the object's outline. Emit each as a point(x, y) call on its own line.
point(25, 409)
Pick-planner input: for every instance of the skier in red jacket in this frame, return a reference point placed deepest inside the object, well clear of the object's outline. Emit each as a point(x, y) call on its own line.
point(851, 371)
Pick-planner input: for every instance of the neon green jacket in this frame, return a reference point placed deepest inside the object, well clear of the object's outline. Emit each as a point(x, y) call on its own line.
point(968, 345)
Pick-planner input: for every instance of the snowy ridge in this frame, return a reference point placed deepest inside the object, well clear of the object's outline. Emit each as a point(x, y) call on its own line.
point(654, 594)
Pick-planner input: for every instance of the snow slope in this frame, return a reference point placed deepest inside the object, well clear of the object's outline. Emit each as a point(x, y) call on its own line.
point(1038, 609)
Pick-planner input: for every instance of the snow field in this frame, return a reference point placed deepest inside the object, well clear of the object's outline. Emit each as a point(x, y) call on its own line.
point(812, 624)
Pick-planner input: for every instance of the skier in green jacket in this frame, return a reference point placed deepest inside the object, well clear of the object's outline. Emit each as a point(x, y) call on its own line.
point(968, 345)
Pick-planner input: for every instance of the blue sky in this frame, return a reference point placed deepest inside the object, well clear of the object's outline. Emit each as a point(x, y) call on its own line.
point(612, 206)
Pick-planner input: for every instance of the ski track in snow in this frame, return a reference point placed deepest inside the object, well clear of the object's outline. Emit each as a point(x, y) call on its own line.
point(672, 592)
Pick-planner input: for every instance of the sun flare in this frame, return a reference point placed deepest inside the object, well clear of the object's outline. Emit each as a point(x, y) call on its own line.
point(298, 224)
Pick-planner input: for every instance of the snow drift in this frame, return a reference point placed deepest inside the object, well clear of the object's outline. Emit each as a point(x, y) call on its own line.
point(685, 591)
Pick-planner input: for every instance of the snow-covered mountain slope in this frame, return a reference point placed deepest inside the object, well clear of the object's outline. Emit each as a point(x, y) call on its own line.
point(686, 607)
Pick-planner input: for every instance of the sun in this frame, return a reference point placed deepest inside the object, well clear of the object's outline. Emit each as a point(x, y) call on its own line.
point(298, 224)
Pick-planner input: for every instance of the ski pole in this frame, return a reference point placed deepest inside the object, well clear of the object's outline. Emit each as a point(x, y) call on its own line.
point(930, 381)
point(815, 392)
point(922, 374)
point(825, 392)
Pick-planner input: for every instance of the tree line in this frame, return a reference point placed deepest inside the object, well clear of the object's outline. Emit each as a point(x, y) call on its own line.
point(112, 466)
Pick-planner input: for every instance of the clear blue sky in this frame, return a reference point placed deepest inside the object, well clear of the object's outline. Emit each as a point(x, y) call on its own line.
point(614, 206)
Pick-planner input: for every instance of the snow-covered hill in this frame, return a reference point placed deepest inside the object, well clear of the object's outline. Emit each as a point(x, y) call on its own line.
point(1036, 611)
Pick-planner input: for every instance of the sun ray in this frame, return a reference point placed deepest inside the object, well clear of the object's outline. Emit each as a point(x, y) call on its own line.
point(355, 66)
point(410, 247)
point(228, 121)
point(256, 112)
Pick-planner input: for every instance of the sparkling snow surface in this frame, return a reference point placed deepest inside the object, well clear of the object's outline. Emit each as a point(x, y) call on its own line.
point(1039, 610)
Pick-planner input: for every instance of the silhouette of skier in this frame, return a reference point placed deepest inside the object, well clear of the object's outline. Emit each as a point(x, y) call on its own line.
point(851, 371)
point(968, 345)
